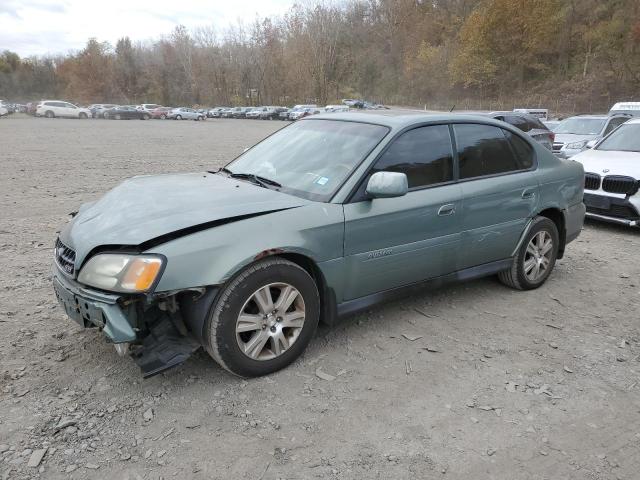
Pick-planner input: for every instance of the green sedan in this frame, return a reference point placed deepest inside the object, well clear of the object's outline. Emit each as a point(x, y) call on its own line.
point(324, 218)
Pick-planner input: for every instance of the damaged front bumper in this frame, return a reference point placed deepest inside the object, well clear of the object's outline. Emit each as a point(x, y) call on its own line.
point(151, 326)
point(90, 308)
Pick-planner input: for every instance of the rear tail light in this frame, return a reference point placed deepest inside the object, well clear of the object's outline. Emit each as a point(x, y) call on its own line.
point(552, 136)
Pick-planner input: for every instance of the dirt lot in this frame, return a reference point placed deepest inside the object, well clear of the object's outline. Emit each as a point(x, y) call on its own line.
point(490, 383)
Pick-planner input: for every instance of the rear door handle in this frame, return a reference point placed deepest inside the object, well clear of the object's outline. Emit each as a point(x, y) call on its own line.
point(448, 209)
point(528, 194)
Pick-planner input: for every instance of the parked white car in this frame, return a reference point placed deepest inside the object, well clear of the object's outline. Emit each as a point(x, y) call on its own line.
point(297, 111)
point(612, 176)
point(336, 108)
point(184, 113)
point(575, 134)
point(58, 108)
point(3, 110)
point(255, 112)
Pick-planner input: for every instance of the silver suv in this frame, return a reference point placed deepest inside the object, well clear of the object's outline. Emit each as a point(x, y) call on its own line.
point(575, 134)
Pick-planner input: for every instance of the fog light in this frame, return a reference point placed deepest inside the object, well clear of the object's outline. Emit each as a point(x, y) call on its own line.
point(122, 348)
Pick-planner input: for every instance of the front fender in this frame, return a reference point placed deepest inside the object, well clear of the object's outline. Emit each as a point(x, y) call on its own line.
point(212, 256)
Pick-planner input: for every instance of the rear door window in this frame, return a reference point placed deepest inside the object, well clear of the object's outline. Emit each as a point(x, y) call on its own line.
point(524, 151)
point(483, 150)
point(535, 123)
point(518, 122)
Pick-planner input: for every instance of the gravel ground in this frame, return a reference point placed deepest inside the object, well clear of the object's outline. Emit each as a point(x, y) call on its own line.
point(475, 381)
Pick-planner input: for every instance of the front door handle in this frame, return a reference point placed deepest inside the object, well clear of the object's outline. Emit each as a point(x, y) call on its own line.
point(448, 209)
point(528, 194)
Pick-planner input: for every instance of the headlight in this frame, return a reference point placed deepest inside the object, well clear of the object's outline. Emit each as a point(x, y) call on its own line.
point(576, 145)
point(121, 272)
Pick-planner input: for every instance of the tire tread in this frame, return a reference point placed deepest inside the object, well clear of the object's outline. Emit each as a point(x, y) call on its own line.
point(212, 346)
point(511, 277)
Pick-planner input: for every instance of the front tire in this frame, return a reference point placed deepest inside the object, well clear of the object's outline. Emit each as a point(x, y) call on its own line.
point(49, 114)
point(536, 257)
point(263, 319)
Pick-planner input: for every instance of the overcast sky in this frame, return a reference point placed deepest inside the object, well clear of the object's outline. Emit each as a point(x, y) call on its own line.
point(37, 27)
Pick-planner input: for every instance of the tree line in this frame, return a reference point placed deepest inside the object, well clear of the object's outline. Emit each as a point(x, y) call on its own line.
point(566, 55)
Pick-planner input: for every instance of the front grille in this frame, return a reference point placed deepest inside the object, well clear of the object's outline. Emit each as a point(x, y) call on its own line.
point(591, 181)
point(65, 257)
point(620, 184)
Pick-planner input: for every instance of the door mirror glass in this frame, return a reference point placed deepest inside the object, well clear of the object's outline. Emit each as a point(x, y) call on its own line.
point(387, 184)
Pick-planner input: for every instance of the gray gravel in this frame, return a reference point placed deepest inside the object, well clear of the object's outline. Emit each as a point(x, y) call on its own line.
point(474, 381)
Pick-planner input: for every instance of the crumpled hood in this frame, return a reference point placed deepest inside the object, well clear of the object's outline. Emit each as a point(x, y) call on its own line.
point(616, 163)
point(147, 207)
point(572, 137)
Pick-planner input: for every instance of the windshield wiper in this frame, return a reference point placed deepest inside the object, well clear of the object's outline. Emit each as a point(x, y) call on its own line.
point(257, 179)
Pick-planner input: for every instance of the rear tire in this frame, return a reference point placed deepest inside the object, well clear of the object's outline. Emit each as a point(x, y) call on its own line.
point(83, 116)
point(263, 343)
point(163, 117)
point(178, 117)
point(536, 257)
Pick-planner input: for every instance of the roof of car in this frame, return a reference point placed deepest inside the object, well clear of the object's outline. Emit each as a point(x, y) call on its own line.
point(400, 119)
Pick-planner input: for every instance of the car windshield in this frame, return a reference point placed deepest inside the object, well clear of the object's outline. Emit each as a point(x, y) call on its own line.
point(625, 139)
point(311, 158)
point(581, 126)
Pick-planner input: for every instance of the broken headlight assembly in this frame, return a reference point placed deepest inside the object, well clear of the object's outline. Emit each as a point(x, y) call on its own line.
point(122, 273)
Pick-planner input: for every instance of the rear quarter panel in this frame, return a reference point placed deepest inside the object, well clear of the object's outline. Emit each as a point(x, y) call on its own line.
point(561, 181)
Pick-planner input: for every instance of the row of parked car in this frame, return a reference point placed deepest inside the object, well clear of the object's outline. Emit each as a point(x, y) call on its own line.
point(147, 111)
point(274, 112)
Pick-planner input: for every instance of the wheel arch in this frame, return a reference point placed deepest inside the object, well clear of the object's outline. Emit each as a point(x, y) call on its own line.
point(557, 216)
point(327, 296)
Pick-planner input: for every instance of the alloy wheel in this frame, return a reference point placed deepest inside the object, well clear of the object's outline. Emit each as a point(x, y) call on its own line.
point(270, 321)
point(538, 256)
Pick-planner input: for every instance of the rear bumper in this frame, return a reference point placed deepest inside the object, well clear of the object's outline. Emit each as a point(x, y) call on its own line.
point(90, 308)
point(574, 221)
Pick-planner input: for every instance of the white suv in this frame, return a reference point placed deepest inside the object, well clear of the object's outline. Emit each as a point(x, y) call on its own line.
point(57, 108)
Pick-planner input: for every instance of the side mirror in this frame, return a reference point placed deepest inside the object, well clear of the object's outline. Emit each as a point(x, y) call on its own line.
point(591, 143)
point(387, 185)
